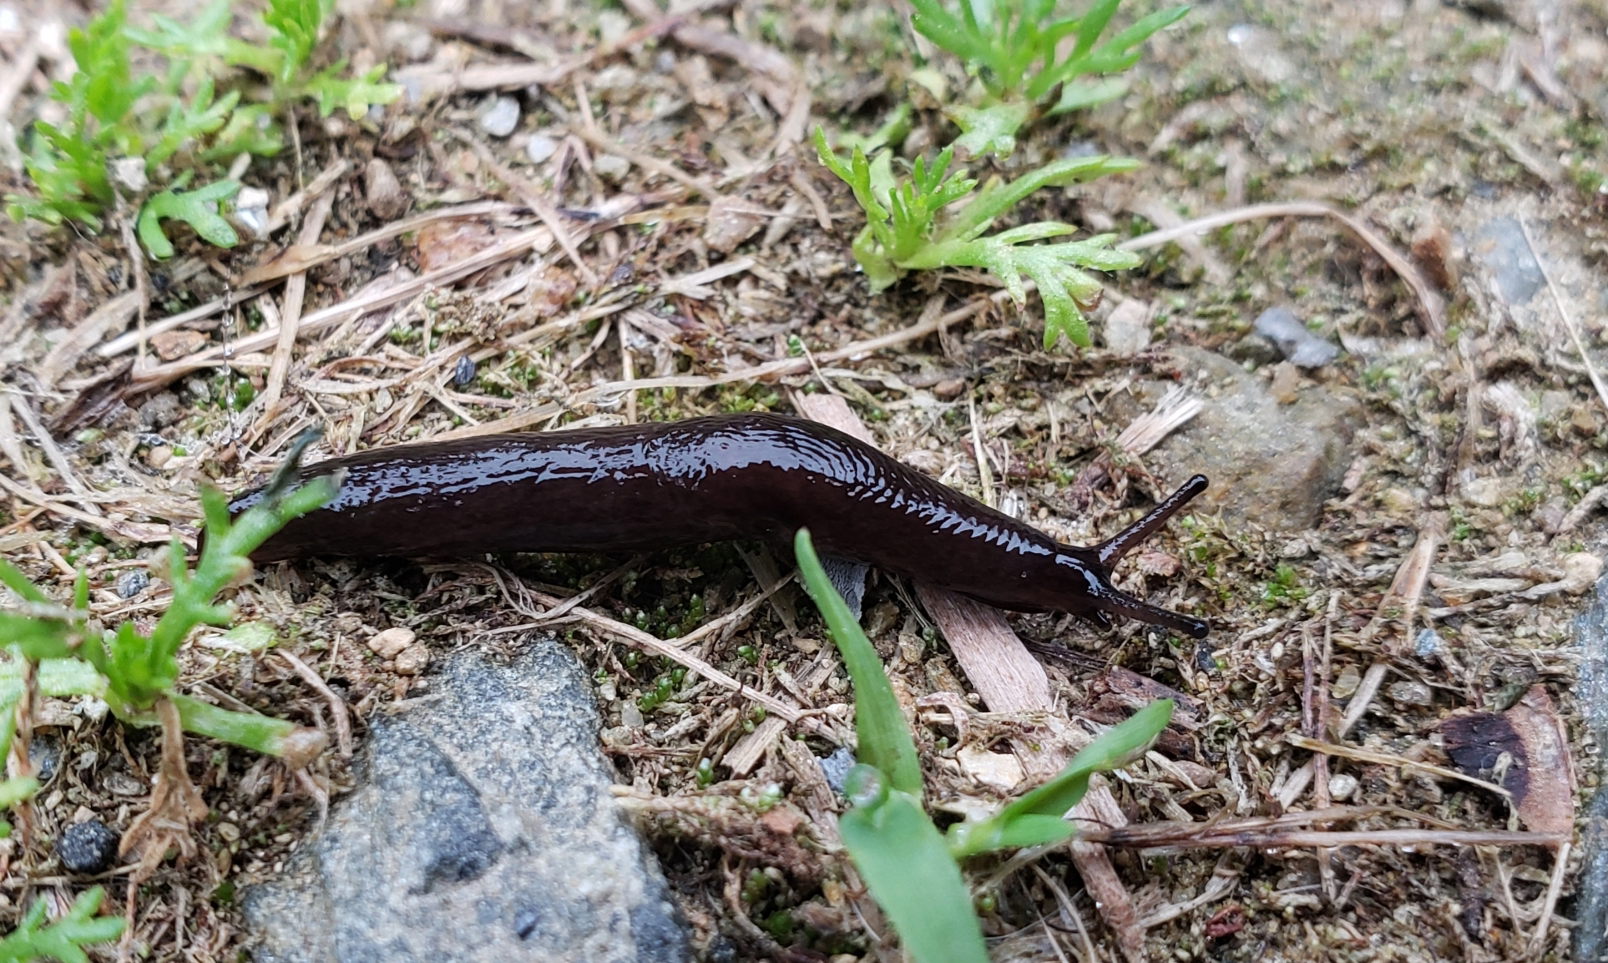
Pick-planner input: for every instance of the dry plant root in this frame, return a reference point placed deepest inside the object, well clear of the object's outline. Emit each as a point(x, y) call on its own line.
point(175, 803)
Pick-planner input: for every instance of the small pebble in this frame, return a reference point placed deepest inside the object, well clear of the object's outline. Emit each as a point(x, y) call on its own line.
point(386, 199)
point(1346, 683)
point(1409, 692)
point(611, 168)
point(249, 212)
point(1341, 786)
point(129, 174)
point(1427, 643)
point(836, 769)
point(500, 116)
point(413, 659)
point(1286, 385)
point(948, 389)
point(631, 716)
point(1127, 329)
point(464, 372)
point(540, 147)
point(390, 643)
point(87, 847)
point(1299, 346)
point(229, 831)
point(159, 456)
point(44, 754)
point(132, 583)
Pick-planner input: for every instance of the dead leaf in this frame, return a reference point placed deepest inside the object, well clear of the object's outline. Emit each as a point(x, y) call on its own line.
point(1526, 751)
point(172, 345)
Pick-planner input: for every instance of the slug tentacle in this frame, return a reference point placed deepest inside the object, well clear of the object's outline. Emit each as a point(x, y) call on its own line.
point(1112, 549)
point(750, 476)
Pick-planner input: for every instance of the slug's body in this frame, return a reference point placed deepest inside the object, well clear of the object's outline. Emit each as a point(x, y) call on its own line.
point(647, 487)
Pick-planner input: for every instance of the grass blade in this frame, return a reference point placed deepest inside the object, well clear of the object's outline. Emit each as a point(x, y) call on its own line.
point(903, 859)
point(1022, 823)
point(879, 724)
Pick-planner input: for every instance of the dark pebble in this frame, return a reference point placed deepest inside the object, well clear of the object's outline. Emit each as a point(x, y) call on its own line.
point(464, 372)
point(88, 847)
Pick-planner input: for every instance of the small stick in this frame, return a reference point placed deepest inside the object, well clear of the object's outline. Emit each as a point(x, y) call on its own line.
point(337, 705)
point(1568, 320)
point(290, 313)
point(1428, 298)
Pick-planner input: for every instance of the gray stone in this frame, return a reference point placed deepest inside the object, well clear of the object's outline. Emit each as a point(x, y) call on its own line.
point(1501, 247)
point(1299, 346)
point(1269, 463)
point(540, 147)
point(482, 829)
point(499, 116)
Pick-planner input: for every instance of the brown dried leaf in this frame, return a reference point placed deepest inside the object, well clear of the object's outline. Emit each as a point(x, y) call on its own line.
point(1526, 751)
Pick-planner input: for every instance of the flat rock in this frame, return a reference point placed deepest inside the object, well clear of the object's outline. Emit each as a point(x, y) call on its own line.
point(482, 829)
point(1271, 463)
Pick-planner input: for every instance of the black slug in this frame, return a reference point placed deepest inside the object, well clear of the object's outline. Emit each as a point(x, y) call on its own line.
point(755, 476)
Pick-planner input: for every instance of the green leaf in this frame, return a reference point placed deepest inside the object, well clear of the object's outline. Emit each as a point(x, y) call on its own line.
point(14, 791)
point(69, 676)
point(261, 733)
point(1024, 821)
point(205, 36)
point(906, 864)
point(197, 208)
point(879, 724)
point(1081, 95)
point(356, 95)
point(190, 122)
point(991, 129)
point(65, 938)
point(294, 26)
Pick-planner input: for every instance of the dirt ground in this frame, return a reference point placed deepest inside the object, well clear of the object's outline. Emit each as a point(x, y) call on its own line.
point(656, 240)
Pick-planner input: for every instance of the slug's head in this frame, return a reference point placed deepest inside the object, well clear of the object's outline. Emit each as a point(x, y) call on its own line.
point(1105, 601)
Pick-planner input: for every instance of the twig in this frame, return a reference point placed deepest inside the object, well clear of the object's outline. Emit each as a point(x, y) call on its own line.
point(1429, 299)
point(609, 145)
point(1184, 836)
point(337, 705)
point(1568, 320)
point(532, 195)
point(292, 205)
point(792, 366)
point(53, 453)
point(513, 246)
point(656, 646)
point(1390, 759)
point(258, 279)
point(291, 313)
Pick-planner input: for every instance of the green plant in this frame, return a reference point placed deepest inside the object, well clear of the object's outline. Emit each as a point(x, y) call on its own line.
point(121, 130)
point(1017, 48)
point(135, 672)
point(911, 868)
point(63, 939)
point(1022, 54)
point(913, 225)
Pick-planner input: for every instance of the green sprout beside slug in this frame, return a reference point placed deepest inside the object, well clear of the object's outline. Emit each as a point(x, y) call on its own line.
point(928, 218)
point(131, 670)
point(142, 126)
point(912, 869)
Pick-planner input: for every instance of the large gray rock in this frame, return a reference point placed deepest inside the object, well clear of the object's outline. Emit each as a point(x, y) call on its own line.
point(1271, 463)
point(482, 830)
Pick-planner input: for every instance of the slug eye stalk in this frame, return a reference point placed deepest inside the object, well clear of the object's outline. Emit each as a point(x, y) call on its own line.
point(1111, 551)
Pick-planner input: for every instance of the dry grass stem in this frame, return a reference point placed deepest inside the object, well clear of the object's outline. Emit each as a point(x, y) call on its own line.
point(1430, 300)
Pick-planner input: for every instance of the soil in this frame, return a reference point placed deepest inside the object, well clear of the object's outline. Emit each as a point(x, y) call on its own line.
point(702, 241)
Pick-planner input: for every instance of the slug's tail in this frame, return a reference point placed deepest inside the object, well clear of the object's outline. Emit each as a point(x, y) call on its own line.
point(1113, 602)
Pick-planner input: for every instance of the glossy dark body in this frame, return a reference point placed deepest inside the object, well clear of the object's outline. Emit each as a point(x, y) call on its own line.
point(647, 487)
